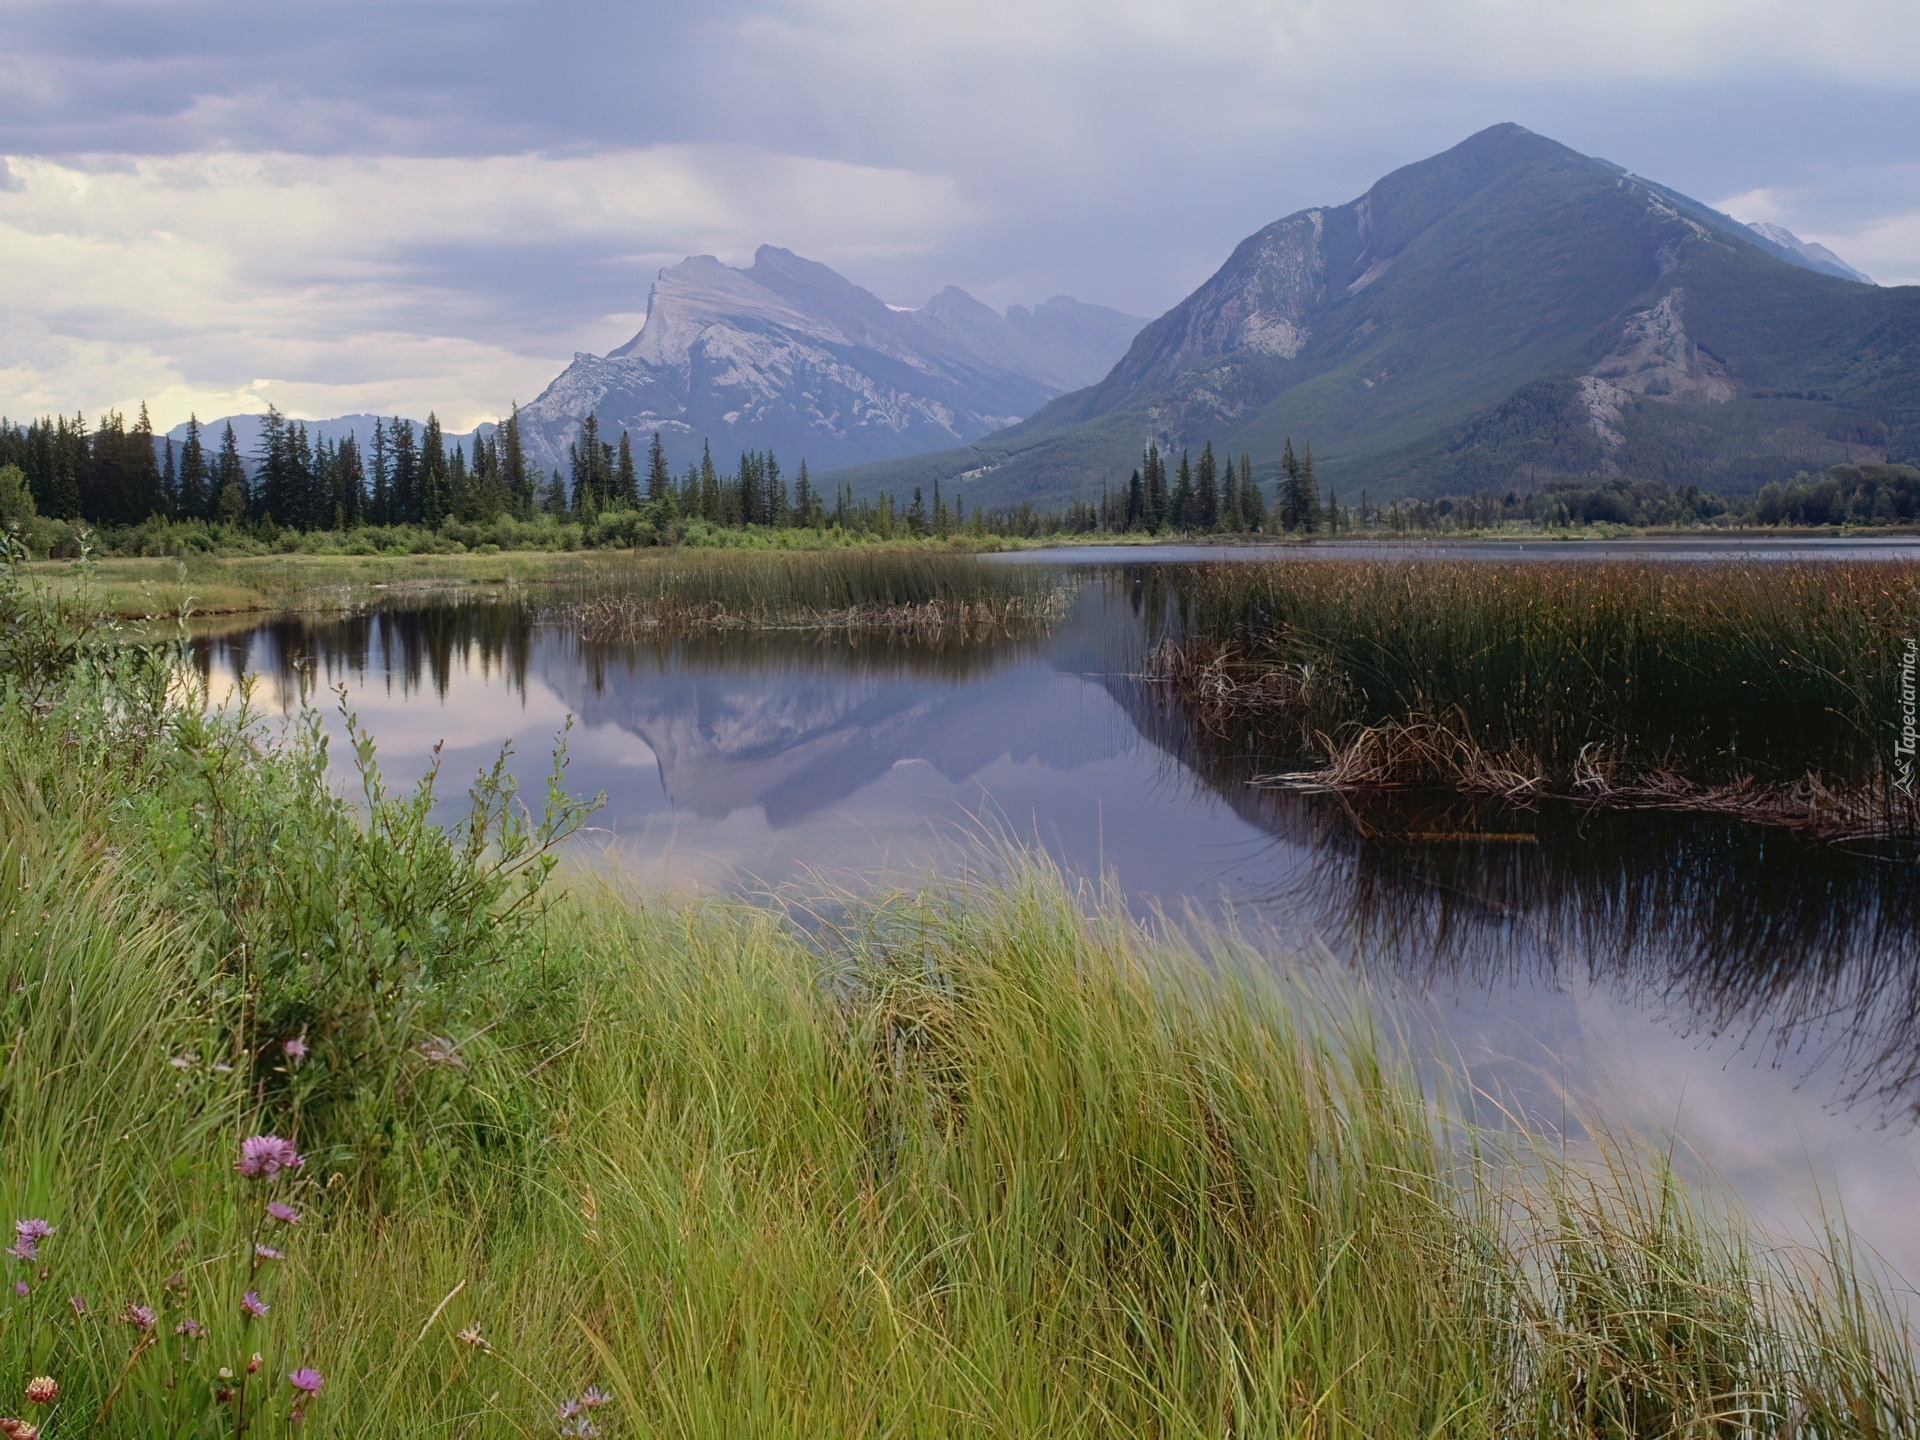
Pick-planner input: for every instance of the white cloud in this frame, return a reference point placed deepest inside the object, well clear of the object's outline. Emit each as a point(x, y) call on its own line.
point(294, 192)
point(386, 283)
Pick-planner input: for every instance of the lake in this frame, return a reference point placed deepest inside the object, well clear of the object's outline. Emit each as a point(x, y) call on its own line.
point(1756, 992)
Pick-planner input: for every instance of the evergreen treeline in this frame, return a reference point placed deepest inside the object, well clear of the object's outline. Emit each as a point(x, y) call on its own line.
point(116, 475)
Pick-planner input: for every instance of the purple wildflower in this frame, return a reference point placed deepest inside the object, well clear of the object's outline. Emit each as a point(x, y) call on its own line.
point(20, 1287)
point(192, 1329)
point(181, 1062)
point(568, 1411)
point(79, 1305)
point(250, 1305)
point(441, 1050)
point(593, 1397)
point(267, 1252)
point(295, 1049)
point(27, 1235)
point(138, 1316)
point(307, 1379)
point(285, 1214)
point(263, 1156)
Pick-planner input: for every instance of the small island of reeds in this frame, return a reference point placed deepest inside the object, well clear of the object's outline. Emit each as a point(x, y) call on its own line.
point(1769, 690)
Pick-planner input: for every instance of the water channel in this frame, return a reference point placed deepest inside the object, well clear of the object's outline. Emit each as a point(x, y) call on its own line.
point(1753, 993)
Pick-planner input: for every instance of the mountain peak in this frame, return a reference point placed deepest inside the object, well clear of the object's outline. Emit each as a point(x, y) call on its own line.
point(1506, 313)
point(1815, 256)
point(789, 354)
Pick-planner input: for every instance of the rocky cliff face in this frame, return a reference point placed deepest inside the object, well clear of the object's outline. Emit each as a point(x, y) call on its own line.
point(1503, 314)
point(786, 354)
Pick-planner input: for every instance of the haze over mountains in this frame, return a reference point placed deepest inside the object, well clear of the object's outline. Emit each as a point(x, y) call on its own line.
point(788, 354)
point(1504, 314)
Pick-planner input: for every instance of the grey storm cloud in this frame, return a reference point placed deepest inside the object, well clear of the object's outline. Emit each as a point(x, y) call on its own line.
point(352, 205)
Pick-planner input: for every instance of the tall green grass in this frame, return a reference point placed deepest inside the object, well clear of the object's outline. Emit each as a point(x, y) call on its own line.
point(865, 588)
point(983, 1160)
point(1716, 673)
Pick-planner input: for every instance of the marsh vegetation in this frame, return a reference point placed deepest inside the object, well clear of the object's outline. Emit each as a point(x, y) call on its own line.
point(1767, 690)
point(979, 1158)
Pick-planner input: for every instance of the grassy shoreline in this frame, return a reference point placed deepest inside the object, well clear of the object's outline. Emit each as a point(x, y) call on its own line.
point(980, 1160)
point(150, 588)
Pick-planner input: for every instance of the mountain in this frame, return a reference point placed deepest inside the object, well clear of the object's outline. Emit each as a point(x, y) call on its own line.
point(786, 354)
point(1500, 315)
point(1814, 256)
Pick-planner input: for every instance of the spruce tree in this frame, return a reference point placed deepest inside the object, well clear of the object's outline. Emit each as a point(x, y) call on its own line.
point(434, 484)
point(515, 478)
point(1309, 492)
point(406, 473)
point(350, 484)
point(1182, 503)
point(749, 489)
point(1231, 515)
point(1253, 505)
point(659, 480)
point(626, 481)
point(1292, 494)
point(148, 497)
point(1136, 513)
point(775, 490)
point(379, 506)
point(302, 480)
point(271, 464)
point(460, 497)
point(195, 500)
point(806, 505)
point(1156, 485)
point(231, 501)
point(169, 484)
point(709, 486)
point(1206, 498)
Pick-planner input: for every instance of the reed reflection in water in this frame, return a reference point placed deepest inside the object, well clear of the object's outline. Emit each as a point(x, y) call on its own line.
point(1771, 978)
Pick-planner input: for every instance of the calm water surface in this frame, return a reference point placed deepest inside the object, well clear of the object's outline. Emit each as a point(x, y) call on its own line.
point(1759, 993)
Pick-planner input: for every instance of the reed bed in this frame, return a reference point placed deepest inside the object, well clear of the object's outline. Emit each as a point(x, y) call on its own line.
point(901, 592)
point(1771, 691)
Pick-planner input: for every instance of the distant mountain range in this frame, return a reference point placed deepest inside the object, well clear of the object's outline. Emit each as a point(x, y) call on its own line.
point(788, 355)
point(1504, 314)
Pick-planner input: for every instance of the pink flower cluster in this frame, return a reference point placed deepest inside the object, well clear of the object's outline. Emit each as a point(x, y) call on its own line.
point(27, 1235)
point(264, 1156)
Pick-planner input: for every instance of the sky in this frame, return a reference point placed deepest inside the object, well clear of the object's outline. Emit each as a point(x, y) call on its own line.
point(412, 205)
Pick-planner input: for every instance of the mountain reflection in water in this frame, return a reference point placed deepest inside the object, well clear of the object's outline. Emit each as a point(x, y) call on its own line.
point(1722, 928)
point(1758, 990)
